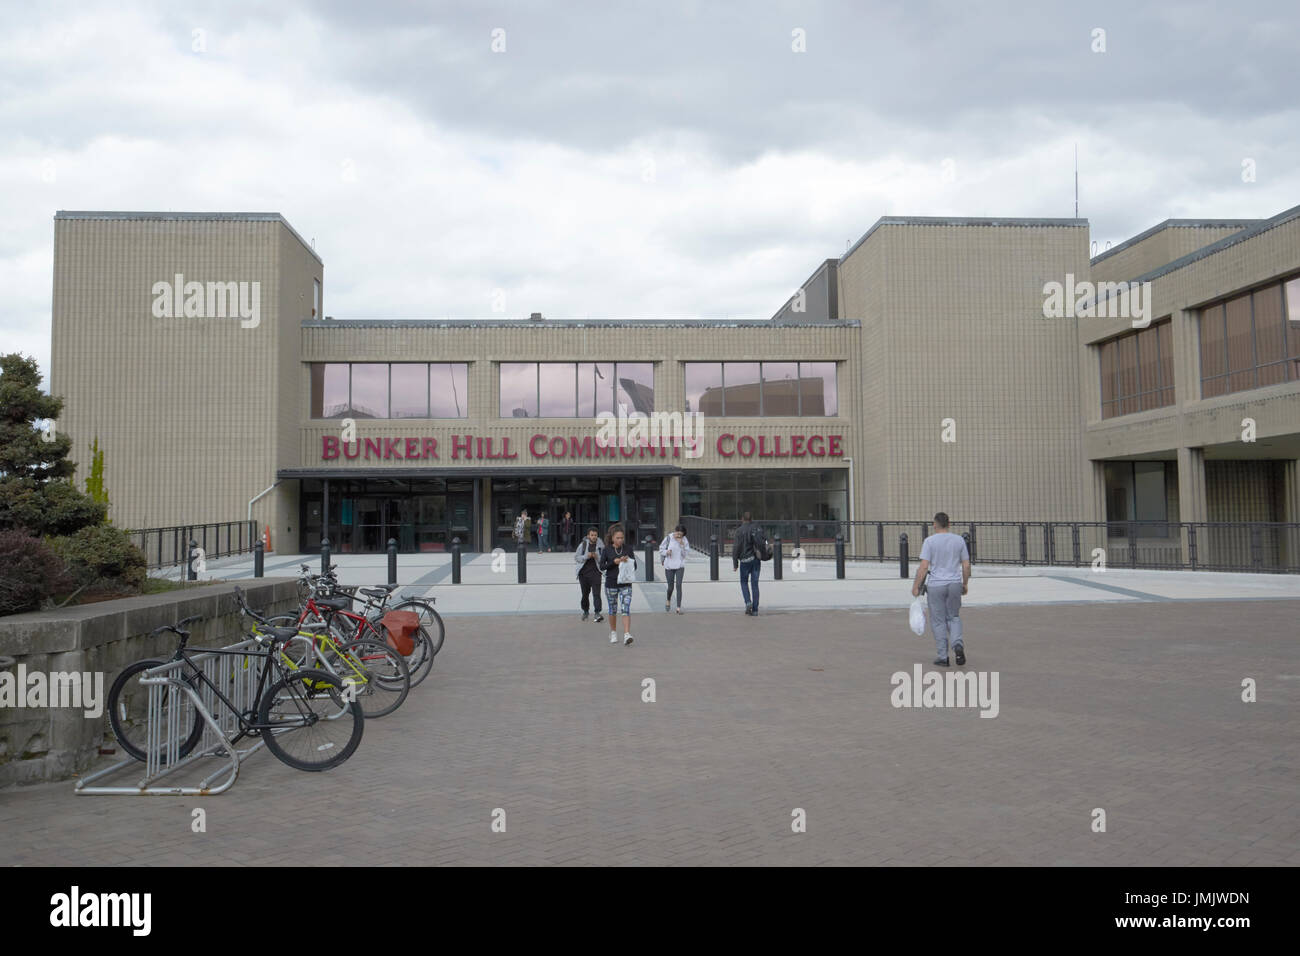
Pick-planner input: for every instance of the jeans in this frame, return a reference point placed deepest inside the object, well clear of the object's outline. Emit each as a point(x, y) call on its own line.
point(945, 606)
point(591, 584)
point(674, 575)
point(749, 578)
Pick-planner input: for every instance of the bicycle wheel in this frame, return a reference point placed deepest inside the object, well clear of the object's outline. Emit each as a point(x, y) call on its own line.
point(128, 705)
point(430, 619)
point(377, 671)
point(306, 722)
point(420, 661)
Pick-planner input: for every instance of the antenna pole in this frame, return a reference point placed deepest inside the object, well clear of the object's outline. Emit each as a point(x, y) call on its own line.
point(1076, 180)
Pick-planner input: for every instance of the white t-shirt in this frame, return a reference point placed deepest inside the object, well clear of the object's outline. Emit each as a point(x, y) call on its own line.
point(945, 552)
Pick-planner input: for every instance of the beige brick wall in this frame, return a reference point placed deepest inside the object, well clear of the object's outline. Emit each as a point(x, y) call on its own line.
point(1161, 248)
point(186, 409)
point(953, 328)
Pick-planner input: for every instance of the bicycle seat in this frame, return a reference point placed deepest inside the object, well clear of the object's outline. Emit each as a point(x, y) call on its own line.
point(278, 635)
point(341, 603)
point(380, 591)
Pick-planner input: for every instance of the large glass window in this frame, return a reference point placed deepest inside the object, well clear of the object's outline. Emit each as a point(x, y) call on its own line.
point(1249, 341)
point(569, 389)
point(519, 390)
point(1137, 371)
point(768, 389)
point(768, 494)
point(448, 390)
point(410, 391)
point(381, 390)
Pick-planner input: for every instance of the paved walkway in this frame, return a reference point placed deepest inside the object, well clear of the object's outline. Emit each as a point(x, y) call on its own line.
point(1133, 707)
point(490, 586)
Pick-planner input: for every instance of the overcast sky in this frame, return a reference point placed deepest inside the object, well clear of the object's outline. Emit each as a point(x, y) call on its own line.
point(681, 161)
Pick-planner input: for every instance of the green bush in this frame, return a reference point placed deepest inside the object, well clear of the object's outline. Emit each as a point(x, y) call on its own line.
point(30, 572)
point(102, 555)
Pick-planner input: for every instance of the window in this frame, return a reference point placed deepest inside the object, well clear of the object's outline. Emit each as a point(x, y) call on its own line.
point(768, 494)
point(383, 390)
point(1251, 340)
point(1138, 491)
point(768, 389)
point(575, 390)
point(315, 298)
point(1137, 371)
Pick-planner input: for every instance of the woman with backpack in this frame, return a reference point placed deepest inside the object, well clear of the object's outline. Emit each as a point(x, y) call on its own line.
point(618, 561)
point(673, 552)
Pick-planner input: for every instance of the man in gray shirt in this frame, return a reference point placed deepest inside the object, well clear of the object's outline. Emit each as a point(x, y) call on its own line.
point(945, 558)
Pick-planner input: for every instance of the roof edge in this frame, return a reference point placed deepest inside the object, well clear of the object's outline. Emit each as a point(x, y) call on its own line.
point(144, 216)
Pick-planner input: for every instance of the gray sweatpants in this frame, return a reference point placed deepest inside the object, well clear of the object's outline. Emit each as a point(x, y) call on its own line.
point(945, 606)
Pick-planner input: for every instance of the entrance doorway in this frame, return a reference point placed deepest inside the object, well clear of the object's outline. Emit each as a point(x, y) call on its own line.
point(421, 515)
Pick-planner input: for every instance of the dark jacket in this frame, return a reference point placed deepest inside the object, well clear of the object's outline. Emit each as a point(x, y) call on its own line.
point(607, 555)
point(743, 547)
point(580, 559)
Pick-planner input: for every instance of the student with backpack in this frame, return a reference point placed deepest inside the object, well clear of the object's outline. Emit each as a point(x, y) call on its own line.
point(748, 552)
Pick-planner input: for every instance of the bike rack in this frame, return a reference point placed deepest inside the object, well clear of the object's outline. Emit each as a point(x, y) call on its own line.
point(237, 676)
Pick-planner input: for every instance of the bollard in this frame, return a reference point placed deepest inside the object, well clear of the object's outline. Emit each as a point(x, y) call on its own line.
point(713, 557)
point(649, 558)
point(392, 560)
point(324, 555)
point(455, 560)
point(776, 556)
point(903, 571)
point(839, 556)
point(259, 559)
point(521, 562)
point(966, 538)
point(190, 573)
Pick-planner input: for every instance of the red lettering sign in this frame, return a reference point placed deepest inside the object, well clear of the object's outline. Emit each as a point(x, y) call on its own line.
point(721, 439)
point(834, 450)
point(329, 447)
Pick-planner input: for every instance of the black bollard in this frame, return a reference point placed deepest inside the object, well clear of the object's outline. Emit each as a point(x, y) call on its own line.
point(902, 556)
point(324, 555)
point(190, 573)
point(649, 558)
point(713, 557)
point(776, 556)
point(521, 561)
point(839, 556)
point(259, 559)
point(455, 560)
point(392, 560)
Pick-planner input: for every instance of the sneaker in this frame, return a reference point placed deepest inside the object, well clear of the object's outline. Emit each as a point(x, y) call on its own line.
point(599, 617)
point(667, 606)
point(748, 609)
point(613, 637)
point(627, 639)
point(940, 662)
point(585, 615)
point(961, 654)
point(679, 610)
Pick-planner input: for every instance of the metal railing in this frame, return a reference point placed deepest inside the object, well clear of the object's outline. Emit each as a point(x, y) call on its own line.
point(1252, 546)
point(168, 547)
point(175, 685)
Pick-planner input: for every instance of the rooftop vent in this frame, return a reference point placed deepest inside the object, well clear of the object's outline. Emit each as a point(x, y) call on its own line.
point(535, 317)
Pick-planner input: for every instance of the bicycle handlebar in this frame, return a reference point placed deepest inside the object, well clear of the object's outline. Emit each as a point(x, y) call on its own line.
point(178, 628)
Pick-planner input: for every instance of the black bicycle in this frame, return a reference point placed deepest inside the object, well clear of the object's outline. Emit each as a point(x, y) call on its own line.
point(305, 716)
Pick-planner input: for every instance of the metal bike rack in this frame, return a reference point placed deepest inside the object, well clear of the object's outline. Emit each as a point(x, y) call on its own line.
point(236, 675)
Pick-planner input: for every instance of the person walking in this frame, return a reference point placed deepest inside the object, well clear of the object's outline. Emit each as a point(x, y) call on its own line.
point(673, 551)
point(946, 559)
point(619, 575)
point(520, 532)
point(747, 558)
point(543, 529)
point(566, 531)
point(586, 560)
point(525, 525)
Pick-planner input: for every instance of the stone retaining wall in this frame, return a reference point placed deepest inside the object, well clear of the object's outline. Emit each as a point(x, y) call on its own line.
point(51, 743)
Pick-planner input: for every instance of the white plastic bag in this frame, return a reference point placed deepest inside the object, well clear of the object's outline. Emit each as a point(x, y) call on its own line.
point(627, 572)
point(916, 617)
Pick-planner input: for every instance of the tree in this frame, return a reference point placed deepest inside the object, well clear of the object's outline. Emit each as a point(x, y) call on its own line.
point(95, 481)
point(36, 492)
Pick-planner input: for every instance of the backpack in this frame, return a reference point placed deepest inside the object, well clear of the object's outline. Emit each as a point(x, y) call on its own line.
point(762, 547)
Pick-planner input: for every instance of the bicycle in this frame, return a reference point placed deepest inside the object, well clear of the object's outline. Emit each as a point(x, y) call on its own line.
point(307, 711)
point(322, 604)
point(376, 673)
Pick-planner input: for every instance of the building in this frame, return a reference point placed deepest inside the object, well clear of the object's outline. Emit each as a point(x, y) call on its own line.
point(918, 371)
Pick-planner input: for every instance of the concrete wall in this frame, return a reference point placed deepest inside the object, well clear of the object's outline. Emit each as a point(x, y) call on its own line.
point(54, 744)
